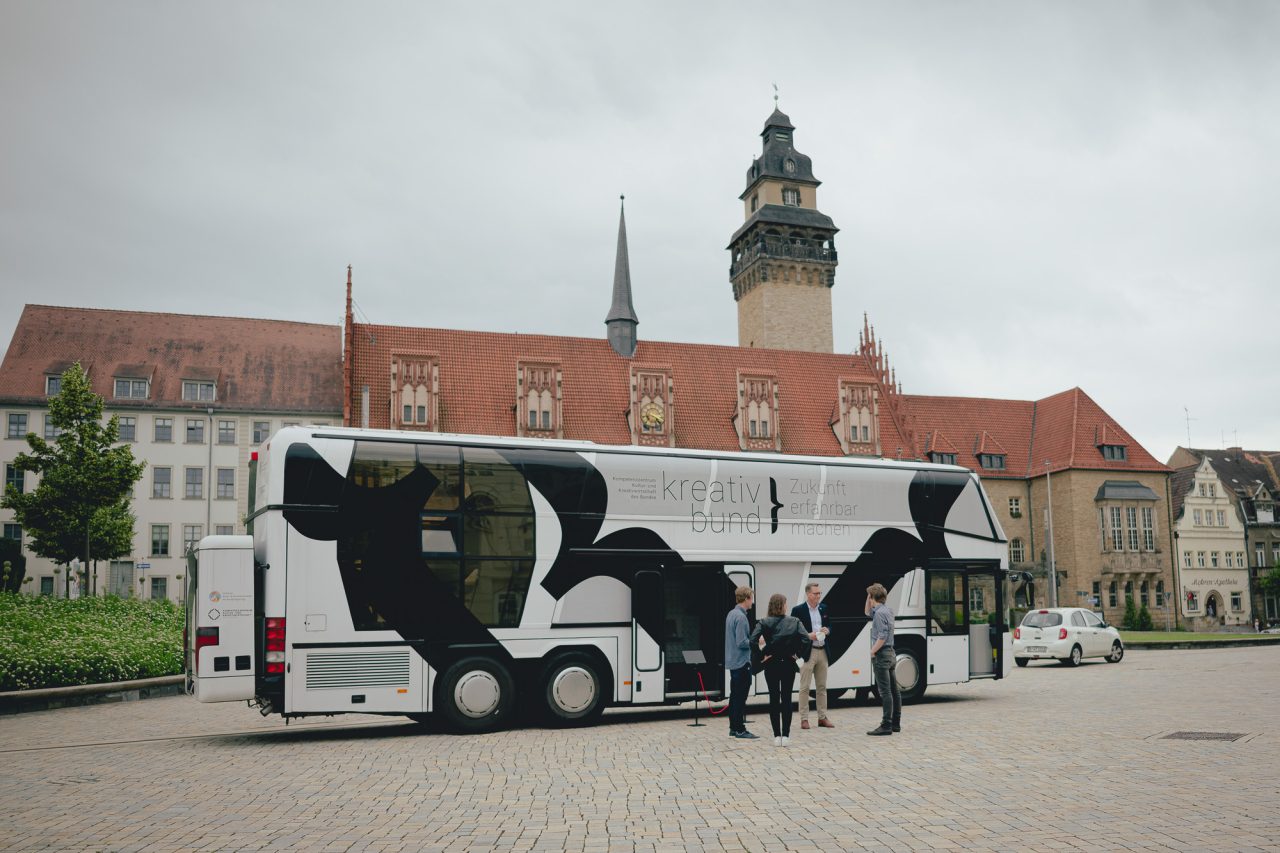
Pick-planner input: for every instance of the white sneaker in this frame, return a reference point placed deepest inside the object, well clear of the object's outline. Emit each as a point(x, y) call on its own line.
point(783, 741)
point(777, 741)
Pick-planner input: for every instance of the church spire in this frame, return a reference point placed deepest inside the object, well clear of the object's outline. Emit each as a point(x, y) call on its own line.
point(621, 320)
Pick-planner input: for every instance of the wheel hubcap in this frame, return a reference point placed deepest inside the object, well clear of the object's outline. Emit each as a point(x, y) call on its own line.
point(907, 672)
point(573, 689)
point(477, 693)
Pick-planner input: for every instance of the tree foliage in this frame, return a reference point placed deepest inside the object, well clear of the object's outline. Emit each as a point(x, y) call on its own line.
point(14, 565)
point(1130, 621)
point(85, 480)
point(1270, 582)
point(1144, 619)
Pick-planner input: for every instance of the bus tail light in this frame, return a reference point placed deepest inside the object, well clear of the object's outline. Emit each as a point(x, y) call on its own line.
point(1017, 633)
point(275, 645)
point(204, 637)
point(1062, 633)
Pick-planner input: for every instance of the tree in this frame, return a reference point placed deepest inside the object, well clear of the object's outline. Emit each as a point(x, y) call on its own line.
point(14, 564)
point(1144, 619)
point(1270, 582)
point(1130, 621)
point(82, 472)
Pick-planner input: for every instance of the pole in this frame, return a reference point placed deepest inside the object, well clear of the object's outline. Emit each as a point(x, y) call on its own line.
point(1053, 568)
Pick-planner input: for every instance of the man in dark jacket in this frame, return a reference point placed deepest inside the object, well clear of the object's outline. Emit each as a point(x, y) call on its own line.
point(812, 613)
point(737, 661)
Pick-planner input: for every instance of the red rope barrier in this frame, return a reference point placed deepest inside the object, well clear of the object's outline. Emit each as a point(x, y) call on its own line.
point(710, 710)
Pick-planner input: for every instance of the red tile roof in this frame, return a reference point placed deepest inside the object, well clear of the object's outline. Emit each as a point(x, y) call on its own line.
point(258, 365)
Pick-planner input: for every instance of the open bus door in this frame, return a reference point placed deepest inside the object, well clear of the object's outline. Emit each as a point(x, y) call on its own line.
point(648, 619)
point(221, 663)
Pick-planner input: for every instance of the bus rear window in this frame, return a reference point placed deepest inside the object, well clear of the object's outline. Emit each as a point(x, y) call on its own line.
point(1036, 619)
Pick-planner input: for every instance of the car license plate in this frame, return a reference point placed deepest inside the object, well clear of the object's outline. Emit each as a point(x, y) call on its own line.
point(1034, 649)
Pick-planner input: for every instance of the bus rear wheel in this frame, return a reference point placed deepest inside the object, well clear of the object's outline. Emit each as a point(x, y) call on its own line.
point(573, 690)
point(476, 694)
point(911, 680)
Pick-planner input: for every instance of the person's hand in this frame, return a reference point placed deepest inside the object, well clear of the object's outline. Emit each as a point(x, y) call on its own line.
point(813, 635)
point(766, 659)
point(825, 631)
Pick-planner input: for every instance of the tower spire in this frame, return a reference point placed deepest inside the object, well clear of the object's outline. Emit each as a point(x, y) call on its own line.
point(621, 321)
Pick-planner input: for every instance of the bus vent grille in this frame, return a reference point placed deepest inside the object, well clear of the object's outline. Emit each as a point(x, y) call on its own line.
point(357, 669)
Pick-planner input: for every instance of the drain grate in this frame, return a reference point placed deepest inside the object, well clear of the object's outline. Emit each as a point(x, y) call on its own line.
point(1227, 736)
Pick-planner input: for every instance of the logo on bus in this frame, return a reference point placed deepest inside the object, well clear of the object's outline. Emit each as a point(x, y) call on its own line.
point(215, 596)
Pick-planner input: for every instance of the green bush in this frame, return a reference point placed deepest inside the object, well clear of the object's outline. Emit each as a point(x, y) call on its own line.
point(55, 642)
point(1144, 619)
point(1130, 621)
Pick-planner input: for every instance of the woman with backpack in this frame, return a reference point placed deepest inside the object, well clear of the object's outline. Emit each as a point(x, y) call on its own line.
point(781, 640)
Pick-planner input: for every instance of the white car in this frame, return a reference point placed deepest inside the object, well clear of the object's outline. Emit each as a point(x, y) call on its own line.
point(1067, 634)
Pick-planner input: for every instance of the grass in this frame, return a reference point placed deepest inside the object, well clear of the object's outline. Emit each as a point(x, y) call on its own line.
point(56, 642)
point(1138, 638)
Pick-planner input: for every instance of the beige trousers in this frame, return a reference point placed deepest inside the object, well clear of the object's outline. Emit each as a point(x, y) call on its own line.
point(814, 668)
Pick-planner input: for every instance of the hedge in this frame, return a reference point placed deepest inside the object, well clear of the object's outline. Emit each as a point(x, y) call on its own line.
point(56, 642)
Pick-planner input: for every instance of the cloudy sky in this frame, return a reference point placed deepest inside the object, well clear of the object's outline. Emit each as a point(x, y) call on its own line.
point(1031, 196)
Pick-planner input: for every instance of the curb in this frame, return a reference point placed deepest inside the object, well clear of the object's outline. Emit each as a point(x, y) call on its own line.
point(49, 698)
point(1201, 644)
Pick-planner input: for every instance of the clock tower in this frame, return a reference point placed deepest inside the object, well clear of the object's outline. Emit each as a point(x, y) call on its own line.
point(783, 258)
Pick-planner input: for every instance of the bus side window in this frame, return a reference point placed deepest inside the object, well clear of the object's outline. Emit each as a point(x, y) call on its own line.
point(443, 463)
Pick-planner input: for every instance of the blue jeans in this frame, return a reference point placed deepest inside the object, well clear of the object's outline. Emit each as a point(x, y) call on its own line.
point(739, 686)
point(885, 662)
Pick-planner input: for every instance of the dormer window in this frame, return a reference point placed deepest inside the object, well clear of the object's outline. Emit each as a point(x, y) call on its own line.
point(1114, 452)
point(538, 401)
point(197, 392)
point(131, 389)
point(757, 419)
point(52, 386)
point(791, 196)
point(415, 391)
point(942, 458)
point(992, 461)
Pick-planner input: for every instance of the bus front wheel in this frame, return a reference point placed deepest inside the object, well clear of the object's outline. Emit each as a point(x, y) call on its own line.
point(573, 690)
point(476, 694)
point(910, 673)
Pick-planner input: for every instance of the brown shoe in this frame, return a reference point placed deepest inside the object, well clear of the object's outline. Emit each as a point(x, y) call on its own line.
point(824, 723)
point(804, 724)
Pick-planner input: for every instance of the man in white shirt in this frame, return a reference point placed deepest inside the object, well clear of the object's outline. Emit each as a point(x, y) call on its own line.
point(812, 613)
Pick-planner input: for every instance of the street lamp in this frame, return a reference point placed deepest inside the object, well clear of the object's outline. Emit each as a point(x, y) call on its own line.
point(1053, 570)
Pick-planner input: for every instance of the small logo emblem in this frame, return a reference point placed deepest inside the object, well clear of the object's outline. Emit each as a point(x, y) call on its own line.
point(214, 614)
point(215, 596)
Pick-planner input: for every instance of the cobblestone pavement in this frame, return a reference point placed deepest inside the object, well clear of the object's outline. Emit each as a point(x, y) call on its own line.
point(1050, 759)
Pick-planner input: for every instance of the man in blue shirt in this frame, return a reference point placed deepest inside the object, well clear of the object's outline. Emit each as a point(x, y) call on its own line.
point(737, 660)
point(884, 660)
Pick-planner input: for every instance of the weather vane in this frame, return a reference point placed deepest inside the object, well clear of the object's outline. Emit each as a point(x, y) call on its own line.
point(775, 96)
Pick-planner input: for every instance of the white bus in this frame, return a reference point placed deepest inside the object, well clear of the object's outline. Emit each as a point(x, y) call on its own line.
point(415, 573)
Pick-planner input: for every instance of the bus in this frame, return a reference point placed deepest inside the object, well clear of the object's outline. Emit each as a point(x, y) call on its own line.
point(467, 576)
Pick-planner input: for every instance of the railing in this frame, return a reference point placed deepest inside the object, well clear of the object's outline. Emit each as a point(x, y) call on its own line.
point(782, 251)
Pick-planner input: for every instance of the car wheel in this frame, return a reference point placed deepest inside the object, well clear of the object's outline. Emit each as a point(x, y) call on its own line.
point(1074, 658)
point(573, 690)
point(1022, 661)
point(476, 694)
point(1117, 653)
point(910, 674)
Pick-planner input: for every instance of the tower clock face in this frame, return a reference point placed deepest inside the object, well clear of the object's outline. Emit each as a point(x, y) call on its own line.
point(651, 415)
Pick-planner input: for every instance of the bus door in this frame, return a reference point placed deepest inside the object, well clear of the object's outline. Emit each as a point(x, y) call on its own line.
point(220, 620)
point(739, 574)
point(698, 596)
point(648, 621)
point(947, 621)
point(985, 609)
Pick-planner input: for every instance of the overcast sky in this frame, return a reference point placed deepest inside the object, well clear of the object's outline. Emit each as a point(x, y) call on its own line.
point(1031, 196)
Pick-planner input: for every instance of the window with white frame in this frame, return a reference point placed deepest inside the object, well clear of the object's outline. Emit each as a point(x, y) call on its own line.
point(17, 425)
point(226, 432)
point(1213, 559)
point(261, 431)
point(1222, 518)
point(191, 535)
point(1159, 593)
point(163, 429)
point(1117, 531)
point(1200, 559)
point(1237, 601)
point(128, 428)
point(226, 483)
point(1148, 529)
point(224, 529)
point(52, 386)
point(1015, 507)
point(1016, 551)
point(977, 600)
point(159, 540)
point(160, 482)
point(131, 389)
point(791, 196)
point(1186, 559)
point(1213, 490)
point(13, 531)
point(1259, 554)
point(15, 477)
point(1131, 518)
point(195, 483)
point(1239, 559)
point(50, 431)
point(159, 588)
point(1275, 552)
point(195, 430)
point(1197, 517)
point(197, 392)
point(1144, 594)
point(1204, 490)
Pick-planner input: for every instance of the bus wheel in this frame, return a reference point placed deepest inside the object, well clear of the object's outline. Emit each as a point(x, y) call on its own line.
point(476, 694)
point(572, 690)
point(910, 674)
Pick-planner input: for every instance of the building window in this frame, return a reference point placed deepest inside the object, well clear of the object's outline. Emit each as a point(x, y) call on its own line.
point(1015, 507)
point(164, 429)
point(1016, 551)
point(1114, 452)
point(994, 461)
point(1275, 552)
point(1128, 592)
point(1200, 559)
point(1222, 518)
point(1096, 600)
point(159, 588)
point(759, 407)
point(160, 481)
point(224, 529)
point(540, 391)
point(195, 430)
point(159, 540)
point(1131, 517)
point(226, 432)
point(1259, 554)
point(1237, 601)
point(1213, 490)
point(17, 425)
point(942, 458)
point(1117, 533)
point(1240, 559)
point(755, 202)
point(791, 196)
point(197, 392)
point(1193, 601)
point(14, 478)
point(1186, 559)
point(977, 600)
point(1159, 593)
point(46, 585)
point(1111, 594)
point(414, 386)
point(50, 431)
point(652, 390)
point(261, 429)
point(191, 535)
point(131, 389)
point(1143, 594)
point(1196, 517)
point(128, 428)
point(52, 386)
point(195, 483)
point(1213, 559)
point(13, 531)
point(226, 483)
point(1148, 529)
